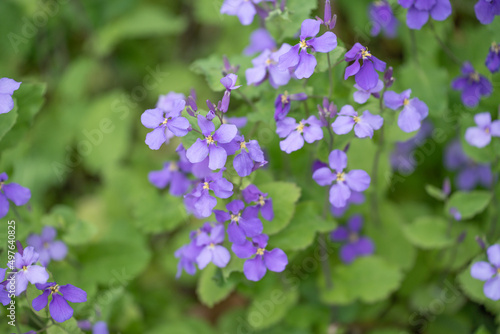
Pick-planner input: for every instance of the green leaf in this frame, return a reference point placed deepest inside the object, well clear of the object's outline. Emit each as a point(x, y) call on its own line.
point(212, 288)
point(301, 231)
point(369, 279)
point(145, 21)
point(284, 196)
point(69, 326)
point(269, 308)
point(428, 233)
point(470, 203)
point(435, 192)
point(286, 24)
point(7, 121)
point(482, 330)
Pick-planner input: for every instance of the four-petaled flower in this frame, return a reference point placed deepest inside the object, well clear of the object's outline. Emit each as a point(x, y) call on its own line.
point(28, 272)
point(480, 135)
point(244, 9)
point(295, 133)
point(253, 194)
point(255, 268)
point(419, 11)
point(489, 272)
point(209, 146)
point(266, 66)
point(345, 183)
point(303, 63)
point(12, 191)
point(355, 245)
point(61, 295)
point(212, 250)
point(250, 155)
point(7, 88)
point(161, 121)
point(173, 174)
point(472, 84)
point(47, 247)
point(244, 222)
point(413, 113)
point(363, 125)
point(365, 75)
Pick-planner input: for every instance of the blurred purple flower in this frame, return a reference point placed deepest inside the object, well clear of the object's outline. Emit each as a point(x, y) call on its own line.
point(363, 125)
point(355, 246)
point(402, 158)
point(295, 133)
point(19, 195)
point(419, 11)
point(486, 10)
point(173, 174)
point(493, 58)
point(7, 88)
point(326, 111)
point(244, 9)
point(266, 66)
point(489, 272)
point(282, 104)
point(212, 251)
point(362, 95)
point(382, 19)
point(480, 135)
point(413, 113)
point(46, 246)
point(472, 84)
point(260, 40)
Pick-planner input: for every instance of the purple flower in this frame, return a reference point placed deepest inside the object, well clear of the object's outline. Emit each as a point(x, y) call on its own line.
point(253, 194)
point(28, 272)
point(260, 40)
point(470, 174)
point(250, 154)
point(413, 113)
point(187, 255)
point(240, 122)
point(355, 180)
point(200, 202)
point(7, 88)
point(173, 173)
point(209, 146)
point(355, 245)
point(244, 221)
point(326, 111)
point(255, 268)
point(363, 125)
point(365, 75)
point(162, 121)
point(244, 9)
point(212, 251)
point(493, 58)
point(47, 247)
point(419, 11)
point(266, 66)
point(19, 195)
point(480, 135)
point(61, 295)
point(100, 327)
point(362, 95)
point(402, 158)
point(355, 198)
point(328, 20)
point(472, 84)
point(303, 63)
point(4, 294)
point(486, 10)
point(489, 272)
point(295, 134)
point(168, 102)
point(229, 82)
point(382, 19)
point(282, 104)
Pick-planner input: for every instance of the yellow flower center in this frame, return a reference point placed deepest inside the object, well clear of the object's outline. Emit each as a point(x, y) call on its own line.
point(25, 268)
point(260, 251)
point(206, 185)
point(487, 130)
point(261, 200)
point(495, 47)
point(300, 127)
point(474, 76)
point(165, 121)
point(406, 102)
point(269, 61)
point(243, 145)
point(284, 97)
point(353, 237)
point(303, 44)
point(54, 289)
point(356, 119)
point(210, 140)
point(235, 218)
point(340, 176)
point(173, 166)
point(365, 53)
point(212, 245)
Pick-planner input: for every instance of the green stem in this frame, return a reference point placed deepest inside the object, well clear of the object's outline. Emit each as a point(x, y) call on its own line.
point(495, 202)
point(414, 49)
point(325, 264)
point(443, 46)
point(380, 146)
point(330, 76)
